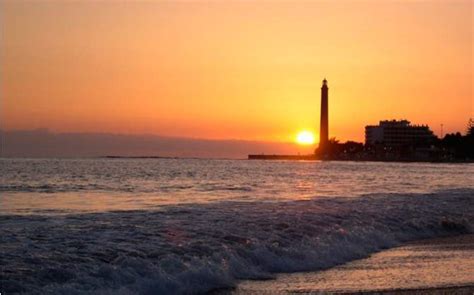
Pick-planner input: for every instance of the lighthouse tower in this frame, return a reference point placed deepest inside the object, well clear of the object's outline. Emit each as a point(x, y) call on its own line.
point(324, 126)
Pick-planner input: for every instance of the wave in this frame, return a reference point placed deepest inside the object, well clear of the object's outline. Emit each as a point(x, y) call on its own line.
point(52, 188)
point(92, 187)
point(185, 249)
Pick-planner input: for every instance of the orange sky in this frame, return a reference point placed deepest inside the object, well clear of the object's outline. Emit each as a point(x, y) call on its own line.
point(234, 70)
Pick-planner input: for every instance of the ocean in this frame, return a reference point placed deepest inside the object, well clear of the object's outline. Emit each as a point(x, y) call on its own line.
point(187, 226)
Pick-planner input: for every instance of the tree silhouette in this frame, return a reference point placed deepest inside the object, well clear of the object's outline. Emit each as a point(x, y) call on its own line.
point(470, 128)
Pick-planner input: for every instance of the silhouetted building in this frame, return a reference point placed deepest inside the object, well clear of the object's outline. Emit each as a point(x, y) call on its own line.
point(398, 134)
point(324, 126)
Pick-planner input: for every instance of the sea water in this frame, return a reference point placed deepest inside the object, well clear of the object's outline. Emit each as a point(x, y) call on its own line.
point(170, 226)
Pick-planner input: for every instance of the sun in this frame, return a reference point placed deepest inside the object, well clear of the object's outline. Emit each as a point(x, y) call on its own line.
point(305, 137)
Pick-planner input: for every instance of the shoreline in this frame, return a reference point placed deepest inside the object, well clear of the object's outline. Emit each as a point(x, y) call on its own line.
point(461, 290)
point(439, 265)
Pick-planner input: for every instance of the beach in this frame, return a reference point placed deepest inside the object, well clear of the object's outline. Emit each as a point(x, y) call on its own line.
point(431, 266)
point(192, 226)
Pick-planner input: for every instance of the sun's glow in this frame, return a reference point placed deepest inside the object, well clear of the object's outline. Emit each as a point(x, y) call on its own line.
point(305, 137)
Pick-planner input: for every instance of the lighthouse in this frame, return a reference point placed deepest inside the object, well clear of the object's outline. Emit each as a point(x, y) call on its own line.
point(324, 126)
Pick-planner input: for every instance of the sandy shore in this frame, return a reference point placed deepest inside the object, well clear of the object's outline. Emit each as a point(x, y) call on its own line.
point(434, 266)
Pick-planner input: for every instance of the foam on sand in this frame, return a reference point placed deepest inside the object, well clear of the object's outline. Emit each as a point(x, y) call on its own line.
point(430, 266)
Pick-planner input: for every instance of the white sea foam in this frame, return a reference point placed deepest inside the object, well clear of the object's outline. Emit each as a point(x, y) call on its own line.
point(184, 249)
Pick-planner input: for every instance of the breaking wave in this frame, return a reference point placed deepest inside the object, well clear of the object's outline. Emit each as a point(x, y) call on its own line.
point(184, 249)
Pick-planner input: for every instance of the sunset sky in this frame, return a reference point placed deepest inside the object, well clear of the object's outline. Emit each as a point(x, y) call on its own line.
point(234, 69)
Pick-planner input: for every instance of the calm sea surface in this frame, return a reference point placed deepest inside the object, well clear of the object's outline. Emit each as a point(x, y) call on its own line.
point(48, 186)
point(158, 226)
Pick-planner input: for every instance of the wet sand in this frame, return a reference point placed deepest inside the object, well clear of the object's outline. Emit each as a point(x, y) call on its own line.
point(434, 266)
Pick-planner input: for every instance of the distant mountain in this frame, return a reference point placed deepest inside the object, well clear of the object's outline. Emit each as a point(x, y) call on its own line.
point(43, 143)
